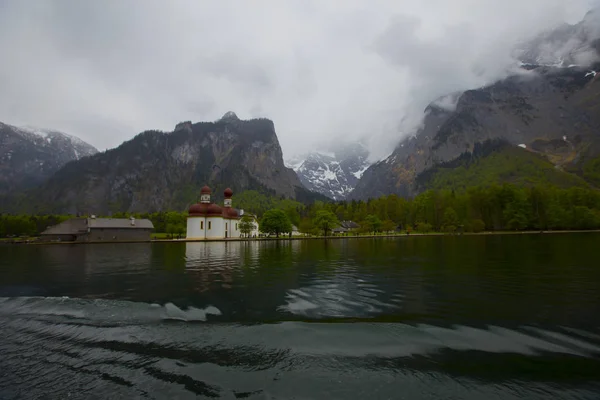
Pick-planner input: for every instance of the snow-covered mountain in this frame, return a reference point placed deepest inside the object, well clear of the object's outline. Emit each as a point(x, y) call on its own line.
point(30, 155)
point(331, 173)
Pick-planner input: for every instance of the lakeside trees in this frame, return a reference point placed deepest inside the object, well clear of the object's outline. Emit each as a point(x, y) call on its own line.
point(246, 225)
point(492, 208)
point(275, 222)
point(325, 221)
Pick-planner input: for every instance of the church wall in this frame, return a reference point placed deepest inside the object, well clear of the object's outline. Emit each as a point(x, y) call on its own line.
point(217, 228)
point(234, 230)
point(193, 228)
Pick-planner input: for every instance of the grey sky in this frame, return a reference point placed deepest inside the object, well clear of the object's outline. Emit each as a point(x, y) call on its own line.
point(107, 70)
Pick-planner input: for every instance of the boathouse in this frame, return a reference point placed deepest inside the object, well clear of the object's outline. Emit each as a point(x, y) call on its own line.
point(94, 229)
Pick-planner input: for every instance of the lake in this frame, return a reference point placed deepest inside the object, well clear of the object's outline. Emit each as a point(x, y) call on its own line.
point(454, 317)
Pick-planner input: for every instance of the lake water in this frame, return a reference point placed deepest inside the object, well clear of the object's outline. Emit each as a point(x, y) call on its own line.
point(473, 317)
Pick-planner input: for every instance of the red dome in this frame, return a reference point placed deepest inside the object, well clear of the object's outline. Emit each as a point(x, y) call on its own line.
point(229, 212)
point(214, 209)
point(198, 209)
point(205, 190)
point(228, 193)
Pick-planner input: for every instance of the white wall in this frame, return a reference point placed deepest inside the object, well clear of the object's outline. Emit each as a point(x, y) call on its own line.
point(217, 228)
point(193, 228)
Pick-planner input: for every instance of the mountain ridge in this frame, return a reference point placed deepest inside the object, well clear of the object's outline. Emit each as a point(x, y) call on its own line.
point(158, 171)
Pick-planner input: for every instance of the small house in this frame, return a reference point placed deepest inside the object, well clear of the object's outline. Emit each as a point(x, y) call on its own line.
point(94, 229)
point(339, 230)
point(349, 225)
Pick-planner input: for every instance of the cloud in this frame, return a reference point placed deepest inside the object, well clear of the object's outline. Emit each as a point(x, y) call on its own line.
point(319, 69)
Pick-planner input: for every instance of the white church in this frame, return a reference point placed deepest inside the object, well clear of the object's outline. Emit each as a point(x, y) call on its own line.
point(208, 220)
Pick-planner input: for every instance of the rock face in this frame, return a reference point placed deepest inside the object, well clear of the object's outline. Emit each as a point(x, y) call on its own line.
point(30, 156)
point(334, 173)
point(157, 171)
point(550, 110)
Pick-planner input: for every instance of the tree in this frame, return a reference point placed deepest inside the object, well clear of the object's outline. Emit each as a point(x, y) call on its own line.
point(477, 226)
point(171, 229)
point(181, 229)
point(450, 220)
point(388, 225)
point(275, 221)
point(325, 220)
point(372, 223)
point(307, 227)
point(246, 225)
point(424, 227)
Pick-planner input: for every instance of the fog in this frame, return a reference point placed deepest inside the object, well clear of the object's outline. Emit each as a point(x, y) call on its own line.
point(107, 70)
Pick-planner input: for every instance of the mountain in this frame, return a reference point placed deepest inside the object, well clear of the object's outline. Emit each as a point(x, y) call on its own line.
point(565, 45)
point(157, 171)
point(545, 115)
point(332, 173)
point(28, 156)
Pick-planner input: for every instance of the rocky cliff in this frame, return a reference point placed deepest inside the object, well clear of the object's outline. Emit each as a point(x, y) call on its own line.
point(549, 109)
point(165, 170)
point(30, 156)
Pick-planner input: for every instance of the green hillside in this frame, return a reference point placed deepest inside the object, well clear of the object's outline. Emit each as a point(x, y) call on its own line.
point(494, 163)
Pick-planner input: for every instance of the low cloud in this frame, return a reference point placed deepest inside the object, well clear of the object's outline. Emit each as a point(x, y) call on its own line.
point(106, 71)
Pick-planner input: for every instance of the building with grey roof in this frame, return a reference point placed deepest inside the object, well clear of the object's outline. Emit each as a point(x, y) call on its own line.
point(100, 230)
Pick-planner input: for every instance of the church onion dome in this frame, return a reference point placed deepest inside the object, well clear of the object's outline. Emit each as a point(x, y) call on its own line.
point(229, 212)
point(197, 209)
point(205, 190)
point(214, 209)
point(228, 193)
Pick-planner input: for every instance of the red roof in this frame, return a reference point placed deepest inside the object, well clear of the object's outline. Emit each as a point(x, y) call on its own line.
point(205, 190)
point(198, 209)
point(228, 193)
point(214, 209)
point(230, 213)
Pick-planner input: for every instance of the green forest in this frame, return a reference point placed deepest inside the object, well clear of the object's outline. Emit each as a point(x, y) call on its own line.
point(492, 208)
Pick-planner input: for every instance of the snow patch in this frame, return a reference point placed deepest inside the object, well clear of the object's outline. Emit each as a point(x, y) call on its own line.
point(523, 146)
point(358, 174)
point(592, 73)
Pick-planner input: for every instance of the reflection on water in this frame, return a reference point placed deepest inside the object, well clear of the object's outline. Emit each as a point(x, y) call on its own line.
point(442, 317)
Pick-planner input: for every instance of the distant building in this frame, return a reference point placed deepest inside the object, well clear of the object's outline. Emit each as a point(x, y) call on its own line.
point(100, 230)
point(207, 220)
point(295, 231)
point(346, 227)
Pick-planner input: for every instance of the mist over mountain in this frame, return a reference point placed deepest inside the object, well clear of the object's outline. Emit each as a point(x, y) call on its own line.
point(549, 108)
point(357, 69)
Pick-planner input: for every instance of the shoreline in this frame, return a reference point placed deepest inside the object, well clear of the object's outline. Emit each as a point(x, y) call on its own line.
point(286, 238)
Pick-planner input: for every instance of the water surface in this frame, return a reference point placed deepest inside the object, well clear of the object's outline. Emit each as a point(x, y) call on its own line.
point(492, 317)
